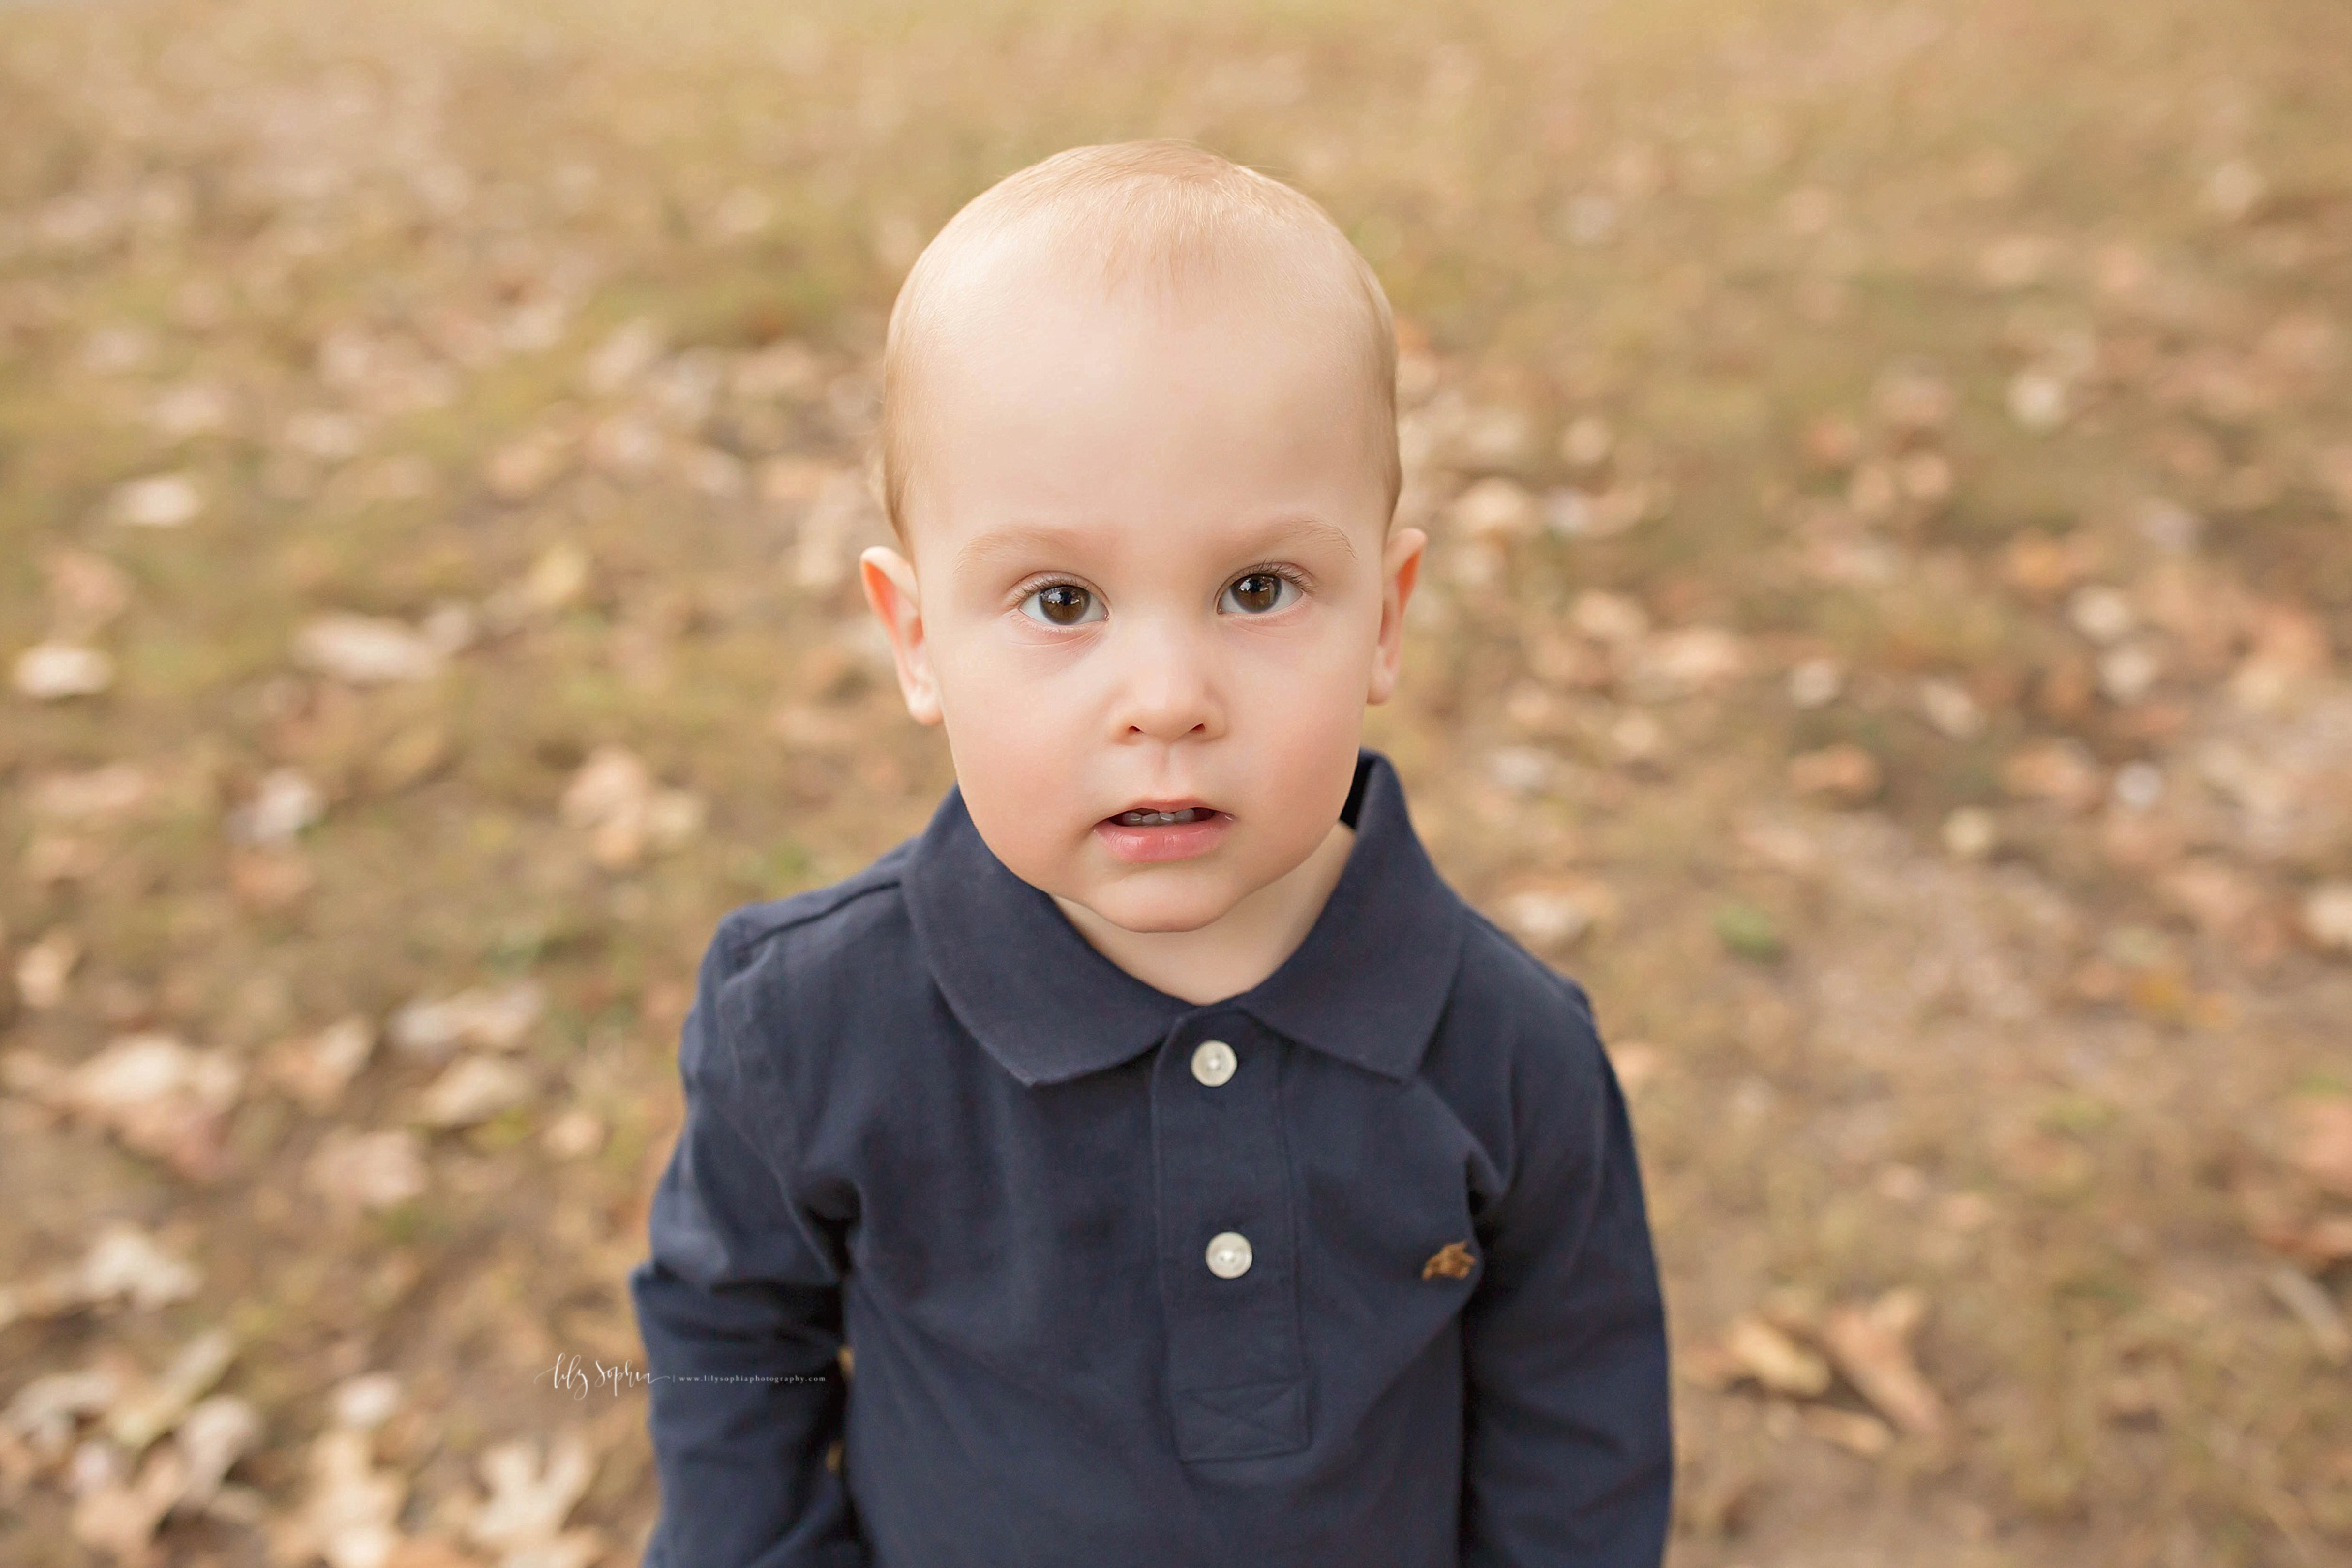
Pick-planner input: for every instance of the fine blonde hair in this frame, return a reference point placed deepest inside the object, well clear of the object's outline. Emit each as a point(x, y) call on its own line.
point(1168, 212)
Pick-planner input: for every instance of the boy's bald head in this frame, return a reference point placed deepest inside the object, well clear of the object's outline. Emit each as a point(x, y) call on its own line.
point(1186, 227)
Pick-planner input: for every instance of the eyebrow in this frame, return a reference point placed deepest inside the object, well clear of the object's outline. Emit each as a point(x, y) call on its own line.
point(1030, 538)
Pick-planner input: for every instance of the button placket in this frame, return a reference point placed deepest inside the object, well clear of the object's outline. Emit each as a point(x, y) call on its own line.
point(1228, 1271)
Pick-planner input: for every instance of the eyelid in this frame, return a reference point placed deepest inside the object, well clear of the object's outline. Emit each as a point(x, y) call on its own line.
point(1042, 581)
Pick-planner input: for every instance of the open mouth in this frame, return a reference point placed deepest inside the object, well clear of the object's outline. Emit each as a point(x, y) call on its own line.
point(1161, 819)
point(1146, 835)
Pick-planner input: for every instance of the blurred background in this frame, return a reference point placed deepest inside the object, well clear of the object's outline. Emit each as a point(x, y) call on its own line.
point(1890, 475)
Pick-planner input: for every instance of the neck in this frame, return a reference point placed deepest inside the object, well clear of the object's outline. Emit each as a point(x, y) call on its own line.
point(1235, 952)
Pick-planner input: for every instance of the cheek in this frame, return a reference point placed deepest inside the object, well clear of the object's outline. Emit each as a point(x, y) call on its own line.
point(1014, 753)
point(1302, 719)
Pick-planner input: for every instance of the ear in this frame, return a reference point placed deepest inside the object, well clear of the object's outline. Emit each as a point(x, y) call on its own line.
point(888, 579)
point(1400, 569)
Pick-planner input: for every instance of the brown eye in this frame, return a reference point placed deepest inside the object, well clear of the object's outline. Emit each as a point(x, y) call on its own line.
point(1063, 604)
point(1256, 593)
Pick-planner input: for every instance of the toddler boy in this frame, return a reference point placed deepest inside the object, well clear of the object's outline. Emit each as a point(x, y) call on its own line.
point(1194, 1177)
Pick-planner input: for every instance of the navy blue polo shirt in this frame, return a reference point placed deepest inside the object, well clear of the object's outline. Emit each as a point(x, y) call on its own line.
point(1350, 1270)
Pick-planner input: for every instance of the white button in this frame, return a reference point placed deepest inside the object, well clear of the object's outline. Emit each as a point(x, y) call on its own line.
point(1214, 1062)
point(1228, 1254)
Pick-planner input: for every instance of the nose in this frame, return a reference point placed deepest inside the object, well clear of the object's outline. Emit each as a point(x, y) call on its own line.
point(1167, 691)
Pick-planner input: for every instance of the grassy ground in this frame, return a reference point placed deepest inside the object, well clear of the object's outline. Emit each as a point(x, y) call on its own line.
point(1891, 469)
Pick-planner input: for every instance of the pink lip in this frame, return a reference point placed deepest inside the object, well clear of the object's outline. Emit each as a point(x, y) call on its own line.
point(1165, 841)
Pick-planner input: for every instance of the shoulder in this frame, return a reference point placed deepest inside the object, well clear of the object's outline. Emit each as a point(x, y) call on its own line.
point(792, 969)
point(817, 920)
point(1506, 983)
point(1518, 1037)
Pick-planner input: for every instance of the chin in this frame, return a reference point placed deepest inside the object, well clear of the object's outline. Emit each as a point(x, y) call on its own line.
point(1175, 904)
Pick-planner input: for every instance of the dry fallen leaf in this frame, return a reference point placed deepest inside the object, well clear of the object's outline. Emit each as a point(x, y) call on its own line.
point(214, 1436)
point(365, 1401)
point(270, 879)
point(166, 500)
point(2314, 1309)
point(120, 1519)
point(124, 1264)
point(281, 809)
point(1950, 708)
point(92, 798)
point(87, 592)
point(1852, 1430)
point(524, 468)
point(2042, 567)
point(159, 1096)
point(491, 1018)
point(1912, 397)
point(357, 1171)
point(574, 1135)
point(1609, 618)
point(2061, 772)
point(316, 1069)
point(625, 355)
point(1872, 1348)
point(368, 651)
point(45, 1411)
point(1774, 1359)
point(2290, 653)
point(1683, 662)
point(2322, 1146)
point(150, 1412)
point(1557, 916)
point(615, 799)
point(532, 1490)
point(1494, 508)
point(348, 1517)
point(1843, 772)
point(473, 1089)
point(1971, 833)
point(2326, 916)
point(54, 670)
point(43, 969)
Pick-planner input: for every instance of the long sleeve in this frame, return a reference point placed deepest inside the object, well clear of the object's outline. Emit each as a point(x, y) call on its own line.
point(739, 1308)
point(1568, 1453)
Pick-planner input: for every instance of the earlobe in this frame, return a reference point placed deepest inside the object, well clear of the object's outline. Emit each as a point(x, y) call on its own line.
point(891, 592)
point(1400, 569)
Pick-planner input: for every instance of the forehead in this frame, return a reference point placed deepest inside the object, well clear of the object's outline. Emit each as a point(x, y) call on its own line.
point(1044, 397)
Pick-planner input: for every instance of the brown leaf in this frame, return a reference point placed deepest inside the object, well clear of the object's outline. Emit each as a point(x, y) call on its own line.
point(473, 1089)
point(120, 1519)
point(1852, 1430)
point(1496, 508)
point(87, 592)
point(268, 880)
point(159, 1097)
point(2326, 916)
point(316, 1069)
point(2314, 1309)
point(2322, 1148)
point(43, 968)
point(355, 1170)
point(1452, 1261)
point(2059, 771)
point(1773, 1358)
point(1843, 772)
point(1872, 1348)
point(2042, 567)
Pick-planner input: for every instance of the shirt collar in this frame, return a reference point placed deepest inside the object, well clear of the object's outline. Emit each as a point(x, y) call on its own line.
point(1366, 986)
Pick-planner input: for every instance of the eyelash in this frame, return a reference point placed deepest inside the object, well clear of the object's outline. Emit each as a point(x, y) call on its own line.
point(1036, 585)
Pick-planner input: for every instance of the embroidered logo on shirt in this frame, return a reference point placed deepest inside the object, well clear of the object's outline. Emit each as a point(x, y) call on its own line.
point(1452, 1262)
